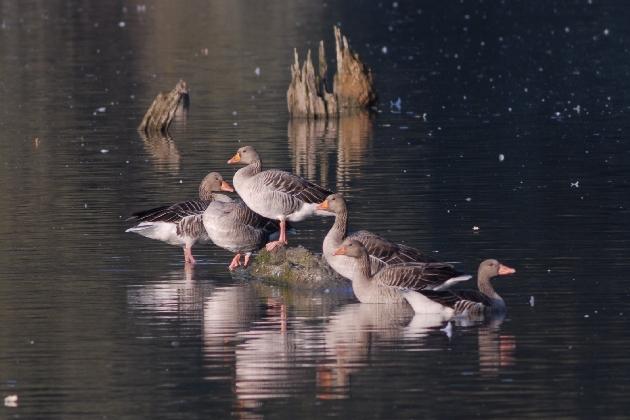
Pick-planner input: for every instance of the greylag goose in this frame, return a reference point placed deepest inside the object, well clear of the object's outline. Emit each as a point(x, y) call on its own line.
point(274, 194)
point(385, 285)
point(381, 251)
point(181, 224)
point(464, 303)
point(234, 227)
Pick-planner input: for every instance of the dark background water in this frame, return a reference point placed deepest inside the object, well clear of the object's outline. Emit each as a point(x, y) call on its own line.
point(99, 323)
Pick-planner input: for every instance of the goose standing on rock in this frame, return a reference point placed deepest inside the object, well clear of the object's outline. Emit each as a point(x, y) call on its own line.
point(181, 223)
point(381, 251)
point(275, 194)
point(464, 303)
point(386, 285)
point(233, 226)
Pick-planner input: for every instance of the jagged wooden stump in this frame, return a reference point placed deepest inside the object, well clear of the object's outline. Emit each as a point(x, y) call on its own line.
point(164, 107)
point(353, 84)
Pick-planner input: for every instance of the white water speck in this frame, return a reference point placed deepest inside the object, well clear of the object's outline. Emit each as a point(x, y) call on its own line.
point(11, 401)
point(587, 316)
point(468, 199)
point(395, 106)
point(121, 24)
point(606, 31)
point(257, 71)
point(448, 330)
point(532, 301)
point(501, 157)
point(234, 113)
point(101, 109)
point(475, 228)
point(104, 151)
point(575, 184)
point(384, 49)
point(181, 182)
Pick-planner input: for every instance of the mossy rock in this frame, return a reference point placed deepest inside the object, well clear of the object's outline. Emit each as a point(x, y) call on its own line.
point(296, 267)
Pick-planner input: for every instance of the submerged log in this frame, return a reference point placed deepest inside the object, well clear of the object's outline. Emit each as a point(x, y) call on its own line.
point(296, 267)
point(164, 107)
point(353, 84)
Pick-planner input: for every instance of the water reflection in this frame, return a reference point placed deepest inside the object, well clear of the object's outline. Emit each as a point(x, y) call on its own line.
point(173, 295)
point(163, 151)
point(227, 312)
point(496, 350)
point(351, 337)
point(319, 145)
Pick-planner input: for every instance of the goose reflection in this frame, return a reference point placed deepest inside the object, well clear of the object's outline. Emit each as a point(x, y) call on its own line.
point(163, 151)
point(228, 311)
point(496, 350)
point(173, 295)
point(350, 338)
point(267, 359)
point(319, 145)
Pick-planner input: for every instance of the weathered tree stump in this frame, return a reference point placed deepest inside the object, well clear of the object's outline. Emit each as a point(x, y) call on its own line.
point(353, 84)
point(164, 107)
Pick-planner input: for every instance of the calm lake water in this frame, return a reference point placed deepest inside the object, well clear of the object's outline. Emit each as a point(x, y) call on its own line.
point(514, 118)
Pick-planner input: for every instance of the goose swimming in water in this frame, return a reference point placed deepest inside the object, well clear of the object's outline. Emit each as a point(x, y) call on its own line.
point(464, 303)
point(386, 285)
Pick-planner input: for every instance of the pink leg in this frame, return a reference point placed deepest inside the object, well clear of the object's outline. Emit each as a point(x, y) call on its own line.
point(236, 261)
point(246, 259)
point(188, 256)
point(272, 246)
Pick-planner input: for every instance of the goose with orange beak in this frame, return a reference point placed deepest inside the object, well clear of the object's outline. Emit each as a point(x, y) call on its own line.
point(274, 194)
point(464, 303)
point(385, 285)
point(181, 224)
point(382, 252)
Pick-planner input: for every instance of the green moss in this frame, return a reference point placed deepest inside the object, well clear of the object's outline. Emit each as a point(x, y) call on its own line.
point(295, 267)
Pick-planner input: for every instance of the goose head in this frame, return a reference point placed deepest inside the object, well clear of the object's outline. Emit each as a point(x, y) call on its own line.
point(492, 268)
point(211, 183)
point(351, 248)
point(334, 203)
point(245, 155)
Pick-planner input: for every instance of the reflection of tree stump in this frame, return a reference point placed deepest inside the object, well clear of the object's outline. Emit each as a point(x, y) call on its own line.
point(164, 107)
point(163, 151)
point(353, 90)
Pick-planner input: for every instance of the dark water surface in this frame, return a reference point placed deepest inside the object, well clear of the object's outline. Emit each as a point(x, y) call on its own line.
point(514, 119)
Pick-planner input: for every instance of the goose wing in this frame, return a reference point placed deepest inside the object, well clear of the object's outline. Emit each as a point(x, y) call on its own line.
point(458, 299)
point(294, 186)
point(191, 226)
point(419, 276)
point(387, 252)
point(170, 214)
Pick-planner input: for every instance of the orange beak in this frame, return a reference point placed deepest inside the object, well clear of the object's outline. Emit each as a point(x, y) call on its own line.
point(323, 205)
point(340, 251)
point(235, 159)
point(504, 269)
point(226, 187)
